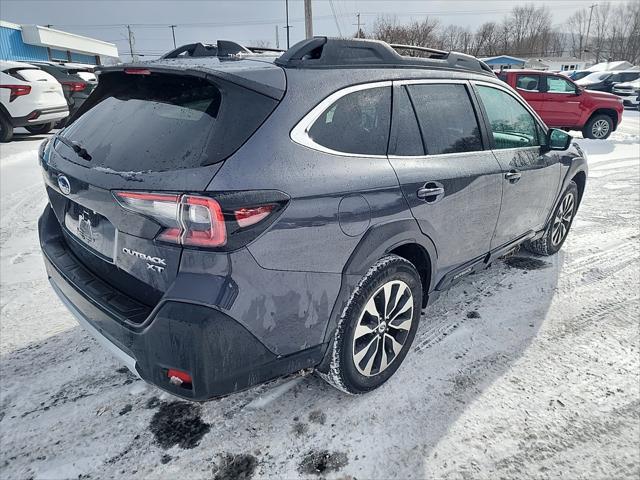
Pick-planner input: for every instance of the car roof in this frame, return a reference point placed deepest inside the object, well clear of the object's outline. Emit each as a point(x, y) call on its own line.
point(7, 64)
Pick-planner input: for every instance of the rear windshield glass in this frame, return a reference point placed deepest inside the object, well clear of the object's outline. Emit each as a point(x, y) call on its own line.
point(165, 122)
point(33, 75)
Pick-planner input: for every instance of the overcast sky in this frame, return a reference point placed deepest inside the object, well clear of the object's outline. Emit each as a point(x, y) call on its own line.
point(246, 21)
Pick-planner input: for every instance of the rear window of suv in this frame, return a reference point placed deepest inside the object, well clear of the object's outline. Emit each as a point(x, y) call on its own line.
point(164, 122)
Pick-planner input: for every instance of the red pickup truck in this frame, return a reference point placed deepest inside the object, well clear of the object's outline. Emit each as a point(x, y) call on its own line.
point(563, 104)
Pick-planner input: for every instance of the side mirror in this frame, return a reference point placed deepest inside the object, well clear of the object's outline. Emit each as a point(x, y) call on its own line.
point(579, 90)
point(558, 139)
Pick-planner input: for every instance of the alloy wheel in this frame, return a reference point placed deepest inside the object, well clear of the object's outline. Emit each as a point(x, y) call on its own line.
point(383, 328)
point(562, 220)
point(600, 129)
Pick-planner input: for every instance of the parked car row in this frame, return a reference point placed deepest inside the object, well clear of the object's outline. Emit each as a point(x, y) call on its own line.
point(563, 103)
point(40, 95)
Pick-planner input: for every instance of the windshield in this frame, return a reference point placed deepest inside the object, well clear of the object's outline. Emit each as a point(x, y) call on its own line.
point(595, 77)
point(157, 122)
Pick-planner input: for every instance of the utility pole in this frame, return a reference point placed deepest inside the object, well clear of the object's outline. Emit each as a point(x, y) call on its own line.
point(358, 24)
point(131, 41)
point(308, 19)
point(173, 33)
point(286, 4)
point(277, 37)
point(588, 27)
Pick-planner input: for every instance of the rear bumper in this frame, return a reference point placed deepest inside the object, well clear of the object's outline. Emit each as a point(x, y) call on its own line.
point(40, 116)
point(221, 355)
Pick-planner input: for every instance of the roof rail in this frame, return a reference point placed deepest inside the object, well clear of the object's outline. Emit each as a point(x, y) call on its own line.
point(266, 49)
point(222, 48)
point(323, 52)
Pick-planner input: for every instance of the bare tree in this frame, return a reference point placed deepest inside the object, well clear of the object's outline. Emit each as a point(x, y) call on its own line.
point(528, 31)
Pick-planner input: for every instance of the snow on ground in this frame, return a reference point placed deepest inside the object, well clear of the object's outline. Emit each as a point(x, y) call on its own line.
point(530, 369)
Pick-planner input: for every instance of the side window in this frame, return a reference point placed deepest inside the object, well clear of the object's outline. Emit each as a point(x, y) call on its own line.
point(446, 117)
point(511, 124)
point(356, 123)
point(559, 85)
point(530, 83)
point(405, 133)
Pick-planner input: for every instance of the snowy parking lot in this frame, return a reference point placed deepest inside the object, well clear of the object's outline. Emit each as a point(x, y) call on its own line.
point(530, 369)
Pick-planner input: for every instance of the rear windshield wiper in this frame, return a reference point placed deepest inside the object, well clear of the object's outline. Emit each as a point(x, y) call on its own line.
point(76, 147)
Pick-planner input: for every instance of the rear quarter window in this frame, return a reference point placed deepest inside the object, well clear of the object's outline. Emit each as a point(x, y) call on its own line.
point(356, 123)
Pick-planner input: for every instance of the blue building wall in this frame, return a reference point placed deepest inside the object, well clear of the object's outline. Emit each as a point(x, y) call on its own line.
point(13, 48)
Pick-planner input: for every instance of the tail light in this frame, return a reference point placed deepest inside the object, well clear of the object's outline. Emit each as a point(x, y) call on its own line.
point(75, 86)
point(226, 222)
point(17, 91)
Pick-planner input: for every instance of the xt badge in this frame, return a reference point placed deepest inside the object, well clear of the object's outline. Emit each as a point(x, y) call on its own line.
point(155, 264)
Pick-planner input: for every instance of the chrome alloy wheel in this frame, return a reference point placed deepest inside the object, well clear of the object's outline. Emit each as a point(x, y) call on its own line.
point(600, 129)
point(383, 328)
point(562, 220)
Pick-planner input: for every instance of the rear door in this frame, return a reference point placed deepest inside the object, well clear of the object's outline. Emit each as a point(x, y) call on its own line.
point(452, 184)
point(530, 178)
point(530, 87)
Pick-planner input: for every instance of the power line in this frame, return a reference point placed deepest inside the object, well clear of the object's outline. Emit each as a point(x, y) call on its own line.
point(335, 17)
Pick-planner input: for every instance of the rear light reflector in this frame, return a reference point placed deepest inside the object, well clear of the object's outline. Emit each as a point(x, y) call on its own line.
point(17, 91)
point(180, 378)
point(252, 215)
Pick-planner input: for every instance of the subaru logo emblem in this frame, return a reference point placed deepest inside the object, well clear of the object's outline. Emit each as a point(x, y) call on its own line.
point(63, 183)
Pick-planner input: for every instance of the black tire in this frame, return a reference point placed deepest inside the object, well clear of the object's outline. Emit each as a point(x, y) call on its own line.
point(6, 130)
point(40, 129)
point(599, 127)
point(549, 244)
point(400, 276)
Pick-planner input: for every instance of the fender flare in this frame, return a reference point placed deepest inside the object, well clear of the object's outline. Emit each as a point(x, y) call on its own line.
point(377, 241)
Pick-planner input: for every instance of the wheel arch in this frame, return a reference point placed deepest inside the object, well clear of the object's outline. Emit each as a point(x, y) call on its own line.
point(609, 112)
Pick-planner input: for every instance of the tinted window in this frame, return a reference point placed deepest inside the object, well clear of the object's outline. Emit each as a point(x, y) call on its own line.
point(559, 85)
point(446, 117)
point(165, 122)
point(356, 123)
point(511, 124)
point(406, 139)
point(629, 76)
point(528, 82)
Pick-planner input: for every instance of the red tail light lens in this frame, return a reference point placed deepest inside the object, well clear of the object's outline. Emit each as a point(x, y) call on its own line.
point(252, 215)
point(203, 222)
point(17, 91)
point(75, 86)
point(226, 222)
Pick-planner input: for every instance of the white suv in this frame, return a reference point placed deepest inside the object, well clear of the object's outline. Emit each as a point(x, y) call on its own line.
point(30, 98)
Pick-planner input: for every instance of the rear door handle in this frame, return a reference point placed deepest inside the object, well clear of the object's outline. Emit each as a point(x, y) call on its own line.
point(431, 192)
point(513, 176)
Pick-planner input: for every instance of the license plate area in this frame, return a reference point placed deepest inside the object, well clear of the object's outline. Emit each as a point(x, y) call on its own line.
point(92, 230)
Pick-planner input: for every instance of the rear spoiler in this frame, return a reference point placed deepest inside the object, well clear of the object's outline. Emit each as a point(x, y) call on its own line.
point(210, 74)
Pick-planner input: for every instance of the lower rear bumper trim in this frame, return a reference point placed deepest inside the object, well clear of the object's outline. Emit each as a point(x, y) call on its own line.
point(127, 360)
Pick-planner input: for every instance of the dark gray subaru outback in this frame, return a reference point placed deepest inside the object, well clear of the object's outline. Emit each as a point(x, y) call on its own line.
point(220, 217)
